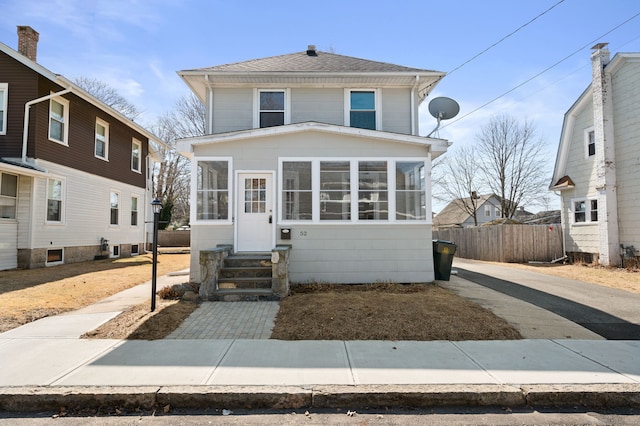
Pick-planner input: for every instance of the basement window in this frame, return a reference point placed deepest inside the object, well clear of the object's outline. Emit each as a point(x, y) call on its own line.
point(55, 256)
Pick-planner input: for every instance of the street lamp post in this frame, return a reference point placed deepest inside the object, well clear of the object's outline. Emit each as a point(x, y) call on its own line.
point(156, 205)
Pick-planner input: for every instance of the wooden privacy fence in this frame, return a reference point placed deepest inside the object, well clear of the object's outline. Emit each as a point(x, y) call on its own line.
point(505, 243)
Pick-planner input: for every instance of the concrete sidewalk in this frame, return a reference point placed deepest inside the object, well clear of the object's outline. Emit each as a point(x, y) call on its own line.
point(45, 366)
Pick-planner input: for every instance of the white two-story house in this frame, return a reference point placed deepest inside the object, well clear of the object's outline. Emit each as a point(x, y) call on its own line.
point(320, 152)
point(597, 170)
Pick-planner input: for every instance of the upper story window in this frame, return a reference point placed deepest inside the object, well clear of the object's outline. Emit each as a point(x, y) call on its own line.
point(102, 139)
point(212, 190)
point(487, 211)
point(8, 195)
point(4, 95)
point(54, 200)
point(590, 142)
point(272, 108)
point(362, 109)
point(59, 120)
point(136, 150)
point(585, 210)
point(114, 201)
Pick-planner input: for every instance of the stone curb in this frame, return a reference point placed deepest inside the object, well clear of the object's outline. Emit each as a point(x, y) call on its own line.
point(30, 399)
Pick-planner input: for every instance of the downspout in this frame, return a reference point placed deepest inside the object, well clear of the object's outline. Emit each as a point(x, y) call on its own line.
point(413, 107)
point(209, 104)
point(27, 106)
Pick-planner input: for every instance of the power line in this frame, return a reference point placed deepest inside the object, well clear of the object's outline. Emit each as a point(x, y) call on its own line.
point(542, 72)
point(503, 38)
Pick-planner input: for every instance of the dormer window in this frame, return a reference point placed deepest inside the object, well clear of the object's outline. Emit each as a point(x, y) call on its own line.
point(362, 111)
point(272, 109)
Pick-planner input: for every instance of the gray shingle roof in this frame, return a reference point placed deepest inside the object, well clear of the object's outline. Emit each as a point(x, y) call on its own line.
point(303, 62)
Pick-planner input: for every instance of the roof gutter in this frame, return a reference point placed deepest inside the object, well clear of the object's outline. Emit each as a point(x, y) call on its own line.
point(27, 106)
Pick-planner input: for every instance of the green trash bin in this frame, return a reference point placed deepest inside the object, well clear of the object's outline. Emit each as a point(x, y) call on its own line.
point(443, 252)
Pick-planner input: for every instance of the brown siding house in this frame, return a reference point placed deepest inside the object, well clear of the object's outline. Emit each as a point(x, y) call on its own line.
point(82, 196)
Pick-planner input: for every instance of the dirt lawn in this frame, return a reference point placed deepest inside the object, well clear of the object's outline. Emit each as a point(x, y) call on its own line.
point(27, 295)
point(411, 312)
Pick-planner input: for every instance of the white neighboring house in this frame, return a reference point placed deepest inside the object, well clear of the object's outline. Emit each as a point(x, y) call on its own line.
point(597, 170)
point(322, 145)
point(454, 215)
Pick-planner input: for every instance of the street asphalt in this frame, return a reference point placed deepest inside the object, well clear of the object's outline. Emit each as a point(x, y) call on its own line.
point(45, 364)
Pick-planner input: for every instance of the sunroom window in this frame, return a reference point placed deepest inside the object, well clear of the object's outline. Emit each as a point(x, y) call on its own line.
point(354, 190)
point(296, 190)
point(335, 192)
point(372, 190)
point(212, 191)
point(410, 191)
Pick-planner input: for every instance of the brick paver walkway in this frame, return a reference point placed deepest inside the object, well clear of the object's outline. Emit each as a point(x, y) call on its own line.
point(229, 320)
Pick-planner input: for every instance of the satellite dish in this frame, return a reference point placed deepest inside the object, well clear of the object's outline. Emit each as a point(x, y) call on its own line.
point(443, 109)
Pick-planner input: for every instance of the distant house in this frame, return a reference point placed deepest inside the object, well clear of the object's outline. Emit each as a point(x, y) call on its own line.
point(320, 152)
point(74, 173)
point(597, 169)
point(455, 215)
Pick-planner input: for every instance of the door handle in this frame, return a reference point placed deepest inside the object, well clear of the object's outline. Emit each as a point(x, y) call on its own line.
point(270, 219)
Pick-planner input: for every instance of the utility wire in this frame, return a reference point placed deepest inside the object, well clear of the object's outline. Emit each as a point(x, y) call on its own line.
point(542, 72)
point(503, 38)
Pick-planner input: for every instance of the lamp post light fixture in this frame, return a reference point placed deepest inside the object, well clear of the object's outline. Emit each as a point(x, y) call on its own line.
point(156, 205)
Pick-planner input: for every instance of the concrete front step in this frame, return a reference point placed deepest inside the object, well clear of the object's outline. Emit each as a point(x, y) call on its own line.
point(248, 260)
point(245, 283)
point(245, 272)
point(243, 295)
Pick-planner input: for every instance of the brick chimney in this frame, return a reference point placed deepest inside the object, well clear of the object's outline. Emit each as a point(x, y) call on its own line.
point(28, 42)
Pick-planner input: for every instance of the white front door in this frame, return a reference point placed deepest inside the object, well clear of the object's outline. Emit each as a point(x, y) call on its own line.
point(255, 212)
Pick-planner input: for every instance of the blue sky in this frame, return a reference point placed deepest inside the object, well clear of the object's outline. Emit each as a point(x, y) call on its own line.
point(137, 46)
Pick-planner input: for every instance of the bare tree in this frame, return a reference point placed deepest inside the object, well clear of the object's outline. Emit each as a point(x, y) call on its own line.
point(458, 178)
point(512, 162)
point(109, 96)
point(172, 174)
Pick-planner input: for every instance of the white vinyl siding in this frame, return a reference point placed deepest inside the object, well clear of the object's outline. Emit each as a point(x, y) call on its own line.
point(396, 110)
point(8, 248)
point(324, 105)
point(232, 110)
point(85, 207)
point(626, 97)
